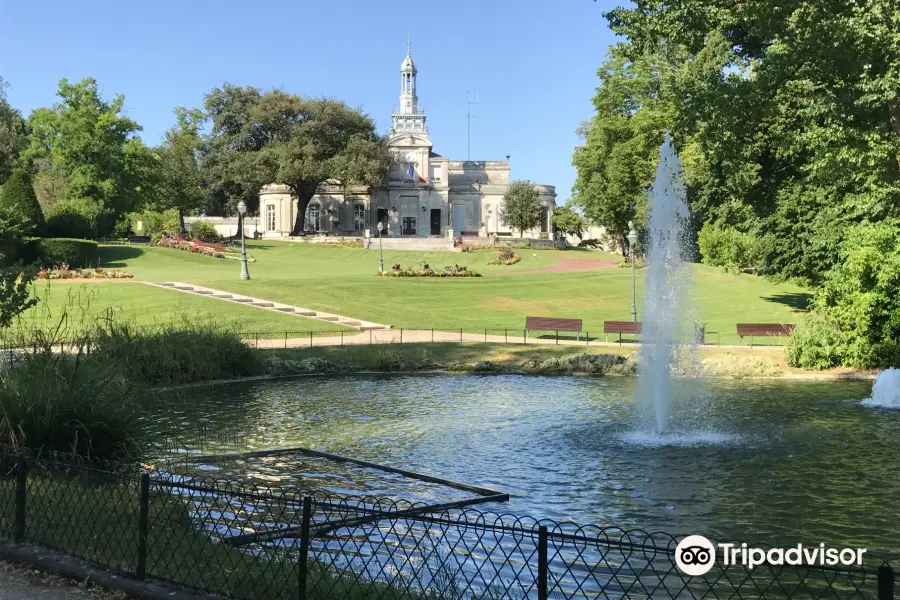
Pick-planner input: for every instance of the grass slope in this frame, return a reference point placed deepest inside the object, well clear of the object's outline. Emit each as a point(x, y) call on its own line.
point(343, 280)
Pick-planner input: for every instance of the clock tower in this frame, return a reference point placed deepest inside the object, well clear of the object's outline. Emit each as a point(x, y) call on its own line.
point(408, 136)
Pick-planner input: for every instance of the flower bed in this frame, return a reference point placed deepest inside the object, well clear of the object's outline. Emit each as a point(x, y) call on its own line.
point(426, 271)
point(344, 243)
point(64, 272)
point(505, 256)
point(196, 246)
point(466, 247)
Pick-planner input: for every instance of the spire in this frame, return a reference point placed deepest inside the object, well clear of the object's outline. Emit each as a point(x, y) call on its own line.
point(407, 44)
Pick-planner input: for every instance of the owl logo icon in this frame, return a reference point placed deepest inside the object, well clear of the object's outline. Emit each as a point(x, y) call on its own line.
point(695, 555)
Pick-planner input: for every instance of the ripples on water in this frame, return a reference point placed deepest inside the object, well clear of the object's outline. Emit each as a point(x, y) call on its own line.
point(779, 463)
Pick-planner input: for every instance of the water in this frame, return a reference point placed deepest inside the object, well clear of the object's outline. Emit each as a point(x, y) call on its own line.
point(666, 316)
point(781, 462)
point(886, 391)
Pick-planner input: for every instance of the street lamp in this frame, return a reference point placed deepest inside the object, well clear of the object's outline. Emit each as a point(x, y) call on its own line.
point(380, 250)
point(632, 240)
point(242, 209)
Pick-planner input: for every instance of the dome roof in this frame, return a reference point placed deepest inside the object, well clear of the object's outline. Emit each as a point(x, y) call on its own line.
point(408, 64)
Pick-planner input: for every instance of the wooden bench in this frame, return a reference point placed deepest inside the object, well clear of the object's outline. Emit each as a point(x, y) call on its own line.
point(552, 324)
point(763, 330)
point(621, 327)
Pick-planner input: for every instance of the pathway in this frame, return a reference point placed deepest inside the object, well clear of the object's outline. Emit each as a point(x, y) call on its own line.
point(288, 309)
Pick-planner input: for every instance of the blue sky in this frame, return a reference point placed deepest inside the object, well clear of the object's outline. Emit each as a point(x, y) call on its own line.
point(532, 62)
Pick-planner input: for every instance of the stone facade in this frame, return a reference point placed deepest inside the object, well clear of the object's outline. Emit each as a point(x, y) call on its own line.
point(426, 194)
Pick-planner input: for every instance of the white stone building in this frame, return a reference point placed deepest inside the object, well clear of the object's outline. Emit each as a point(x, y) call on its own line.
point(426, 195)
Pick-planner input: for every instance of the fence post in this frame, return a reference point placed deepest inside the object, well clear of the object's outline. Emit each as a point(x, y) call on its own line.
point(524, 336)
point(143, 526)
point(21, 484)
point(370, 337)
point(257, 341)
point(885, 582)
point(587, 338)
point(401, 335)
point(504, 337)
point(557, 338)
point(542, 575)
point(285, 339)
point(303, 559)
point(310, 338)
point(485, 336)
point(432, 335)
point(460, 334)
point(342, 337)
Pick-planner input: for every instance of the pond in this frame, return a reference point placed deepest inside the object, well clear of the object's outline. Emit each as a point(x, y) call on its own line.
point(774, 462)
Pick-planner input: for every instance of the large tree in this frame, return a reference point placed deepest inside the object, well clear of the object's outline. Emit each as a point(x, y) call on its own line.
point(179, 179)
point(277, 137)
point(12, 134)
point(568, 221)
point(521, 206)
point(94, 145)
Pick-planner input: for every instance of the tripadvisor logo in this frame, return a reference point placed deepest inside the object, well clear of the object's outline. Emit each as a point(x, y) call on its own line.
point(696, 555)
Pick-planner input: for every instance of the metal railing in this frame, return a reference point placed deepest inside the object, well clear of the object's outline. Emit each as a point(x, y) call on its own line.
point(253, 542)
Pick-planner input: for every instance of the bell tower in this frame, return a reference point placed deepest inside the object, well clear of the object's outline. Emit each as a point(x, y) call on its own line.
point(408, 116)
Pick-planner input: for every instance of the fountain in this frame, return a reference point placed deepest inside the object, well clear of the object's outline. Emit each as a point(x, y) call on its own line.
point(886, 390)
point(667, 283)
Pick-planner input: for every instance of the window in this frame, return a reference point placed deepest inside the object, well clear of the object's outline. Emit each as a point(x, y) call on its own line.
point(314, 213)
point(270, 217)
point(409, 226)
point(359, 217)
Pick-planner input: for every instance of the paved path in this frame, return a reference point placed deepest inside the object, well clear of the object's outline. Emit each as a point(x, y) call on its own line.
point(288, 309)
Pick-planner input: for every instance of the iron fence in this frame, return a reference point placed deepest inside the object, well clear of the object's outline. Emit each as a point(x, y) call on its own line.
point(354, 337)
point(252, 542)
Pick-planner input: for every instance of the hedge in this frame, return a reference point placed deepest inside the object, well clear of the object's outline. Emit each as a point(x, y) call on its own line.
point(51, 252)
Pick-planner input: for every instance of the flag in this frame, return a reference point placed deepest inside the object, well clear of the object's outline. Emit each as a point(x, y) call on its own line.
point(415, 176)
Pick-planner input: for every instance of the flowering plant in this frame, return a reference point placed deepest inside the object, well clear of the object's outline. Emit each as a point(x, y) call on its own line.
point(64, 272)
point(505, 256)
point(427, 271)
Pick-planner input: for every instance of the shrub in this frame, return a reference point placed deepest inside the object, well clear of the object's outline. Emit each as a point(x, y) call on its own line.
point(593, 243)
point(63, 251)
point(856, 311)
point(179, 243)
point(728, 248)
point(155, 224)
point(74, 219)
point(169, 355)
point(18, 201)
point(505, 256)
point(64, 272)
point(427, 271)
point(66, 402)
point(123, 229)
point(205, 231)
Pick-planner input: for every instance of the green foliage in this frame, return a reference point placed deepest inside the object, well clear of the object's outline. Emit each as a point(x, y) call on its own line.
point(65, 402)
point(154, 224)
point(277, 137)
point(12, 135)
point(12, 235)
point(180, 181)
point(521, 206)
point(169, 355)
point(728, 248)
point(94, 145)
point(569, 222)
point(205, 231)
point(67, 251)
point(15, 295)
point(857, 309)
point(18, 201)
point(80, 218)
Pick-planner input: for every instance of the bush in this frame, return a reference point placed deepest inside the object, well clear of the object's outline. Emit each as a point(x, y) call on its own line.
point(123, 229)
point(728, 248)
point(69, 403)
point(154, 224)
point(51, 252)
point(505, 256)
point(427, 271)
point(170, 355)
point(75, 219)
point(18, 201)
point(205, 231)
point(816, 344)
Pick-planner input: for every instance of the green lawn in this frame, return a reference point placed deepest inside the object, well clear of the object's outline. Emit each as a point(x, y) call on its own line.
point(344, 281)
point(81, 304)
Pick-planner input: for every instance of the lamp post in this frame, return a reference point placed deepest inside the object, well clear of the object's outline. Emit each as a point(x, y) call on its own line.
point(632, 240)
point(242, 209)
point(380, 250)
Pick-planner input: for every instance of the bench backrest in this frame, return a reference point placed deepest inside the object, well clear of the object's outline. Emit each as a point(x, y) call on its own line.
point(621, 327)
point(552, 324)
point(764, 329)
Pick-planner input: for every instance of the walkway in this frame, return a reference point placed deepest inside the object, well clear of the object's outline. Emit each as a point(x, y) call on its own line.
point(288, 309)
point(569, 264)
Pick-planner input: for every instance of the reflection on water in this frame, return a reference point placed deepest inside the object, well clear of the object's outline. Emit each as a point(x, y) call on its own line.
point(776, 462)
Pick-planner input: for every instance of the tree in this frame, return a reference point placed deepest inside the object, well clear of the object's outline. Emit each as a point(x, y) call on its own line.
point(281, 138)
point(180, 179)
point(12, 135)
point(569, 222)
point(521, 206)
point(18, 202)
point(15, 295)
point(95, 145)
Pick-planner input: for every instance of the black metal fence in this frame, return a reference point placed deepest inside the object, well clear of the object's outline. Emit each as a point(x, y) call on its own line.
point(252, 542)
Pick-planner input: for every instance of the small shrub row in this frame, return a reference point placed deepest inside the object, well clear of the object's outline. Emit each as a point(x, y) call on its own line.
point(427, 271)
point(344, 243)
point(179, 243)
point(65, 272)
point(57, 251)
point(505, 256)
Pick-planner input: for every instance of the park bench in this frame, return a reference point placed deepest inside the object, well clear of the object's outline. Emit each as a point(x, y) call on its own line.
point(552, 324)
point(621, 327)
point(763, 330)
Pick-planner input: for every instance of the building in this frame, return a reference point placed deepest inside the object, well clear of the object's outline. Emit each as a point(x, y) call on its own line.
point(426, 195)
